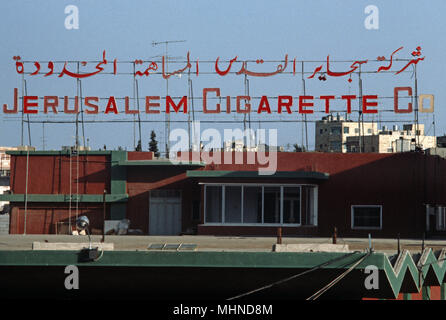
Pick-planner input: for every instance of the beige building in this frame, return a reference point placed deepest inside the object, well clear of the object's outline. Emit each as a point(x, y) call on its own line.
point(335, 134)
point(5, 168)
point(332, 133)
point(395, 140)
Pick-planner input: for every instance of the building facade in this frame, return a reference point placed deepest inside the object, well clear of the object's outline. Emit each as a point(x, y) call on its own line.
point(4, 176)
point(332, 133)
point(309, 195)
point(395, 140)
point(441, 141)
point(335, 134)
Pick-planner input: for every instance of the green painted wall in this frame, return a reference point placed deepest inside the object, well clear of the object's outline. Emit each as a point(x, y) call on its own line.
point(64, 197)
point(118, 184)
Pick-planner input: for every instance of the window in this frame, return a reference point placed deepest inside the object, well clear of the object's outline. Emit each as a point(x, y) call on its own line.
point(321, 131)
point(233, 204)
point(356, 130)
point(213, 203)
point(291, 205)
point(252, 204)
point(366, 217)
point(260, 204)
point(336, 130)
point(335, 145)
point(271, 204)
point(441, 216)
point(4, 173)
point(369, 130)
point(346, 129)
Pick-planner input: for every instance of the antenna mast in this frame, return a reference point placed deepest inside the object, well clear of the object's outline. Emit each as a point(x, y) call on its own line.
point(167, 116)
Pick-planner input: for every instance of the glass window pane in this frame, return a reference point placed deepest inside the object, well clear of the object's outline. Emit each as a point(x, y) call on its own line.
point(272, 205)
point(252, 204)
point(213, 203)
point(335, 145)
point(369, 217)
point(233, 204)
point(308, 205)
point(291, 205)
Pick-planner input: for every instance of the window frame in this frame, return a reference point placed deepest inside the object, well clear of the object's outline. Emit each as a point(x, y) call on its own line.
point(440, 216)
point(336, 145)
point(380, 206)
point(262, 185)
point(336, 130)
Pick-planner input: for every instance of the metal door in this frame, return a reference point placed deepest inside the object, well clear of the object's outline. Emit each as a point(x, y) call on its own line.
point(165, 212)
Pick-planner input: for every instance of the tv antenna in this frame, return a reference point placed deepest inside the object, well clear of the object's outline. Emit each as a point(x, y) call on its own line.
point(167, 115)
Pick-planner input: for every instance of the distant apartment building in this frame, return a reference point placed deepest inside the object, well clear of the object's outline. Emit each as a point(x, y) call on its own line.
point(5, 172)
point(5, 161)
point(332, 133)
point(395, 140)
point(335, 134)
point(441, 141)
point(440, 149)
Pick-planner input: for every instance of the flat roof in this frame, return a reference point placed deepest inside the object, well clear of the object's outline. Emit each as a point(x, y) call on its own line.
point(256, 174)
point(218, 243)
point(58, 152)
point(164, 162)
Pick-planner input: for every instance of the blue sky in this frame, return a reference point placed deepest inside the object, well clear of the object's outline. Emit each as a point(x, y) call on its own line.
point(308, 30)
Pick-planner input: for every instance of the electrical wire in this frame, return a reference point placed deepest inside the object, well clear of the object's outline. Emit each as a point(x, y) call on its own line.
point(331, 284)
point(291, 278)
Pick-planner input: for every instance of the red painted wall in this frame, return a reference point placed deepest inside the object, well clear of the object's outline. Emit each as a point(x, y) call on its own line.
point(44, 218)
point(140, 180)
point(403, 183)
point(435, 293)
point(51, 174)
point(138, 155)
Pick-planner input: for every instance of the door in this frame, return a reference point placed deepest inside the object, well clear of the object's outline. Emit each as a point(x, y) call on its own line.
point(165, 212)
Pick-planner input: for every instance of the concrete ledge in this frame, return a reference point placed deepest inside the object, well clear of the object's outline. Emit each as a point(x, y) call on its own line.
point(71, 246)
point(311, 247)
